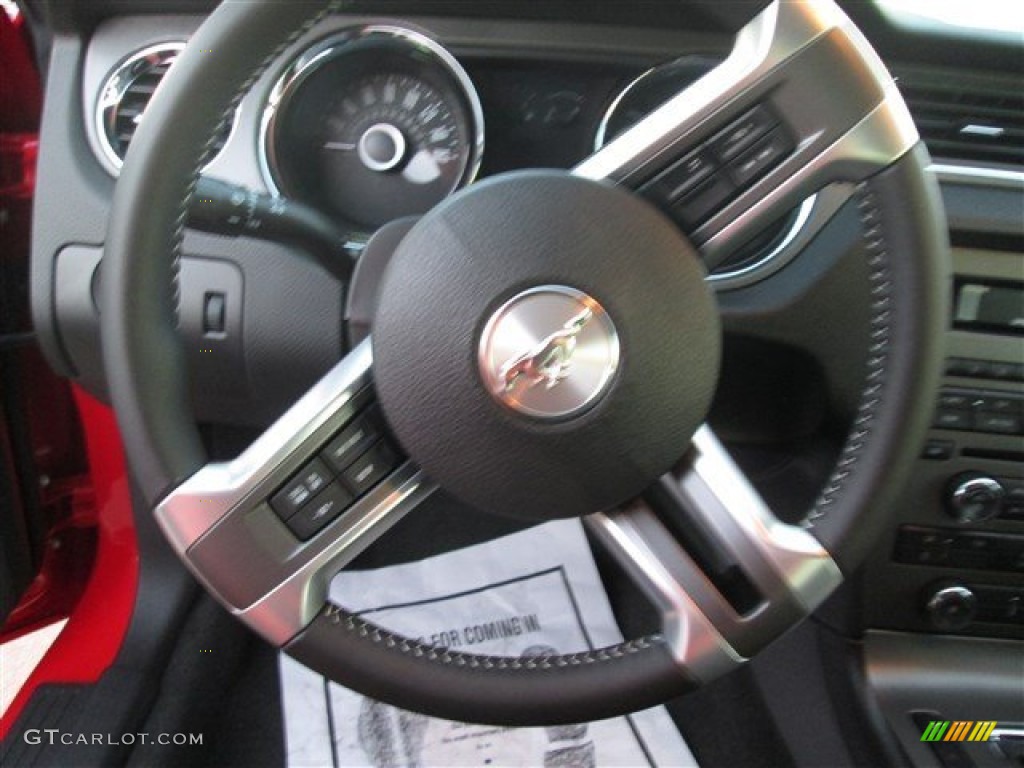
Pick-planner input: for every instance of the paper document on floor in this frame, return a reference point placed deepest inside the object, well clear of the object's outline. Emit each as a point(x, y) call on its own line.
point(530, 593)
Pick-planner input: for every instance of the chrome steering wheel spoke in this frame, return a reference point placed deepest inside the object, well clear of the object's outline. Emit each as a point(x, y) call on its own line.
point(726, 575)
point(233, 522)
point(743, 145)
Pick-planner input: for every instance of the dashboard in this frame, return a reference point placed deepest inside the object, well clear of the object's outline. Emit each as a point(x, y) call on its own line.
point(370, 119)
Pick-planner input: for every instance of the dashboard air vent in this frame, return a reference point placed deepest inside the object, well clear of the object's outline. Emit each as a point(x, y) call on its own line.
point(126, 94)
point(975, 121)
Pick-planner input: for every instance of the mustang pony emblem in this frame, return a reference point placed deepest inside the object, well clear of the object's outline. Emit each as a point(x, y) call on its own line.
point(549, 360)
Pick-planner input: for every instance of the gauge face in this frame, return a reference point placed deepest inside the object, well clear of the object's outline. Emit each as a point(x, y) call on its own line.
point(375, 127)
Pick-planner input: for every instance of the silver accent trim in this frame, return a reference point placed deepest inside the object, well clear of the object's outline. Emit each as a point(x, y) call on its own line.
point(785, 562)
point(235, 492)
point(113, 91)
point(548, 352)
point(396, 138)
point(294, 602)
point(602, 127)
point(955, 173)
point(696, 644)
point(760, 46)
point(720, 490)
point(877, 141)
point(814, 213)
point(759, 269)
point(764, 48)
point(196, 505)
point(333, 45)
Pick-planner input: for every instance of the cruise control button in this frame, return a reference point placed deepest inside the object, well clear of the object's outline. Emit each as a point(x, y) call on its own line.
point(321, 511)
point(314, 476)
point(306, 483)
point(287, 501)
point(702, 202)
point(742, 133)
point(683, 176)
point(351, 442)
point(757, 160)
point(370, 468)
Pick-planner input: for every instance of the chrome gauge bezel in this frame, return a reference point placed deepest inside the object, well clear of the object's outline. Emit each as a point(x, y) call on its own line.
point(112, 93)
point(335, 45)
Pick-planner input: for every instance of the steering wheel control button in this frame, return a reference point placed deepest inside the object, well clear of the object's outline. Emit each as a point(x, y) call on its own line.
point(703, 201)
point(681, 177)
point(549, 352)
point(741, 133)
point(321, 511)
point(350, 444)
point(761, 158)
point(699, 185)
point(370, 468)
point(309, 481)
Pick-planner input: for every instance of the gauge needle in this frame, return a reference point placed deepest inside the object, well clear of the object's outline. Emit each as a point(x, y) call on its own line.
point(422, 168)
point(341, 146)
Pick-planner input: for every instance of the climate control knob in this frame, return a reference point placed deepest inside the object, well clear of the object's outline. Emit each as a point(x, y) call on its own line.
point(972, 497)
point(951, 607)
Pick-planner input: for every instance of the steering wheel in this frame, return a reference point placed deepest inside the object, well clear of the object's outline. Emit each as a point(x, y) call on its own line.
point(545, 345)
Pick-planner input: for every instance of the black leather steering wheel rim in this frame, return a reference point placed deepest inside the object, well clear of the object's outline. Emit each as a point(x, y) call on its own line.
point(904, 243)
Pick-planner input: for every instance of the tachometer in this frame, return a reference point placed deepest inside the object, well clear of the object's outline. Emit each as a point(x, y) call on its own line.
point(373, 124)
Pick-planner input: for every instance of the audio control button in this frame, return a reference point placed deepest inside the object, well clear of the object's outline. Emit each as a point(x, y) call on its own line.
point(972, 497)
point(951, 607)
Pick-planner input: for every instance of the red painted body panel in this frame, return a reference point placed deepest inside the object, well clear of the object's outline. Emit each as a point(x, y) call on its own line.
point(96, 627)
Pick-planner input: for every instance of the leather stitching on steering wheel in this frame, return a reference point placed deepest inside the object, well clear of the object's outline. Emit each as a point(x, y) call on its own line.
point(228, 114)
point(351, 623)
point(880, 282)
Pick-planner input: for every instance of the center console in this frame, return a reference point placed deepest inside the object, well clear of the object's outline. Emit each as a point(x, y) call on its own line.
point(944, 589)
point(953, 561)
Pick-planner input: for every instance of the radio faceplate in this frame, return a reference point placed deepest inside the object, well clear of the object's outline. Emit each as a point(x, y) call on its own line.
point(971, 547)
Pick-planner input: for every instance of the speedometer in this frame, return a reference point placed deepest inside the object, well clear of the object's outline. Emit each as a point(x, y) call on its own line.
point(373, 124)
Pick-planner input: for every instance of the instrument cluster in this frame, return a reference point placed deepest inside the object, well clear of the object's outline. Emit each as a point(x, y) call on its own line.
point(372, 124)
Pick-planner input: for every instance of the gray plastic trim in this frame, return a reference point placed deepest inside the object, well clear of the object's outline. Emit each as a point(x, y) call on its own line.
point(959, 678)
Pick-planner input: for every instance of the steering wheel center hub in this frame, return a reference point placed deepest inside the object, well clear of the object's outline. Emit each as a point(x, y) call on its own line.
point(549, 352)
point(544, 345)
